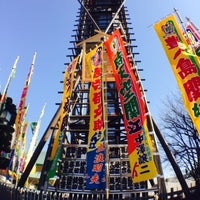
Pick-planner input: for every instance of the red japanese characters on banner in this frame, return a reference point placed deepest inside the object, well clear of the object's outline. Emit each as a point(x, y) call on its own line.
point(185, 65)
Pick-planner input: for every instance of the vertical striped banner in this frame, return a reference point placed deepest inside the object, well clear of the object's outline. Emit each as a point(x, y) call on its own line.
point(95, 171)
point(67, 91)
point(185, 65)
point(139, 144)
point(193, 37)
point(21, 164)
point(20, 111)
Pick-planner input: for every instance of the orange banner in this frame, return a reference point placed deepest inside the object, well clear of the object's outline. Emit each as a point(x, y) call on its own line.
point(184, 63)
point(139, 144)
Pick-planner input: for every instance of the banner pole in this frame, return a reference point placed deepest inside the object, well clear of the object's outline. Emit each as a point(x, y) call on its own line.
point(3, 96)
point(193, 25)
point(104, 85)
point(184, 30)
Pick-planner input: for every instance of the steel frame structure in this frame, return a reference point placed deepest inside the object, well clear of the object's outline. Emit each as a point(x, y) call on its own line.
point(95, 20)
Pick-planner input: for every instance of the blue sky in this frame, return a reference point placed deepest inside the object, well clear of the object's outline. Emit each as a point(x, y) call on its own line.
point(46, 27)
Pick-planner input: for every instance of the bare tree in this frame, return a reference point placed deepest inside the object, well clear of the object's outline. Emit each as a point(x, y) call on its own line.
point(182, 137)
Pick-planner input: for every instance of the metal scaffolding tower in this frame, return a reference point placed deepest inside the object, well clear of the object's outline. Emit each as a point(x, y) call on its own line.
point(96, 20)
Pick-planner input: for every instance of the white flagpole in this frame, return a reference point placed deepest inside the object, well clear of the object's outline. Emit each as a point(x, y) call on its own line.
point(33, 142)
point(183, 28)
point(31, 69)
point(196, 29)
point(8, 81)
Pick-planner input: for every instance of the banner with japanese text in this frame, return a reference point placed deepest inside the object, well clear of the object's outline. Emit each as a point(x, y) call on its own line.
point(67, 91)
point(139, 144)
point(185, 65)
point(193, 38)
point(95, 170)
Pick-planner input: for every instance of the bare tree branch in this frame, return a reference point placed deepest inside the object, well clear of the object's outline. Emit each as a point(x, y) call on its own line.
point(182, 136)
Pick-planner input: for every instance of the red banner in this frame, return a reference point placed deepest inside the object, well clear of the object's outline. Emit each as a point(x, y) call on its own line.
point(139, 147)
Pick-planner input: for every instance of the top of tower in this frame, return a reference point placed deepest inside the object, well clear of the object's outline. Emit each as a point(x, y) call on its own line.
point(101, 15)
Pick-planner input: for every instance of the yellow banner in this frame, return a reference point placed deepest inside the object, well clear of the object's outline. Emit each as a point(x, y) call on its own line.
point(184, 63)
point(67, 90)
point(95, 171)
point(96, 92)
